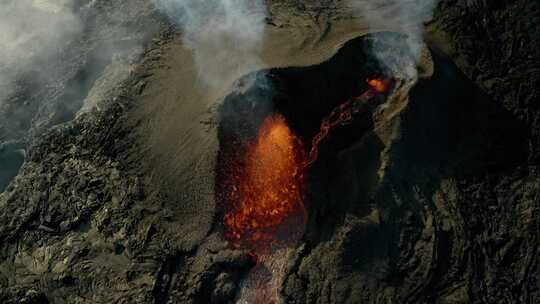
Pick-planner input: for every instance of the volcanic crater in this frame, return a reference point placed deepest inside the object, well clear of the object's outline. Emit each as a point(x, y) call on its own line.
point(423, 187)
point(301, 97)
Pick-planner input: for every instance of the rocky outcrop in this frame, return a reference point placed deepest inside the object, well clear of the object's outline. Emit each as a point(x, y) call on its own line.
point(435, 203)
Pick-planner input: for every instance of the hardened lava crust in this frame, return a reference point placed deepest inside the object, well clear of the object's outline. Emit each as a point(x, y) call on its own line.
point(434, 199)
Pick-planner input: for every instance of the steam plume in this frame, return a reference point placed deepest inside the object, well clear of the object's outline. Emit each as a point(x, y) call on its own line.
point(225, 35)
point(59, 58)
point(31, 31)
point(406, 16)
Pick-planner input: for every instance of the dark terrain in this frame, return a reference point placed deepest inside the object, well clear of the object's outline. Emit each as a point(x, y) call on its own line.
point(438, 203)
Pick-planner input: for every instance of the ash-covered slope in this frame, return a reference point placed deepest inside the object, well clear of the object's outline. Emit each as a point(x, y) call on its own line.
point(436, 203)
point(60, 58)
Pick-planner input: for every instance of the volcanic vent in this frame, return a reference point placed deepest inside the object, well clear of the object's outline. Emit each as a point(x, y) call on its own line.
point(277, 127)
point(265, 188)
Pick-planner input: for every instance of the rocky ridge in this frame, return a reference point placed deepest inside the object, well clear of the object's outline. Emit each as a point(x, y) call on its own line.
point(453, 219)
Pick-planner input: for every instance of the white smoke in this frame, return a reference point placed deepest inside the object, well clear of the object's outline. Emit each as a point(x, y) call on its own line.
point(405, 16)
point(60, 58)
point(30, 32)
point(225, 35)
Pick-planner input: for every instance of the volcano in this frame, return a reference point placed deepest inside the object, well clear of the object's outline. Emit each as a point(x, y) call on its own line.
point(269, 147)
point(323, 152)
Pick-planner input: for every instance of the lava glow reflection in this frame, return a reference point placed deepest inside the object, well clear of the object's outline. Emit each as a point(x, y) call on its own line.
point(266, 195)
point(378, 85)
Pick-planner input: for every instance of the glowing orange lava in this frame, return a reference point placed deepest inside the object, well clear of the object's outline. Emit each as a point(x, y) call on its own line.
point(264, 186)
point(340, 115)
point(378, 85)
point(267, 188)
point(343, 114)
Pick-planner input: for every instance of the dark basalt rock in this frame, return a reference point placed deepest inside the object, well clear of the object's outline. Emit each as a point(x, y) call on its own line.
point(439, 203)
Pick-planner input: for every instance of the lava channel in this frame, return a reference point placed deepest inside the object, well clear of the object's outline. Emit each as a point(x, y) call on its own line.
point(343, 114)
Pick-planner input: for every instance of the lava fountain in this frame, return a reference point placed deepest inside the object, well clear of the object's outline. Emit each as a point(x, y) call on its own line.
point(266, 215)
point(266, 194)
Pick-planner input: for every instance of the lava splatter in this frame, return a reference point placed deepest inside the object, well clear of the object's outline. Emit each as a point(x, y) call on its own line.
point(266, 193)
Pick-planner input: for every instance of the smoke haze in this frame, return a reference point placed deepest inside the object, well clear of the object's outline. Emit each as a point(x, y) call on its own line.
point(406, 16)
point(30, 32)
point(59, 58)
point(225, 35)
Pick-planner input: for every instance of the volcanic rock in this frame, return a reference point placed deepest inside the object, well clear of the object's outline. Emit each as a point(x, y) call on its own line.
point(431, 200)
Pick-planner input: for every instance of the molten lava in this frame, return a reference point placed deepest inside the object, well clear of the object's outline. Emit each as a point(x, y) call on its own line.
point(378, 85)
point(339, 116)
point(343, 113)
point(265, 185)
point(266, 190)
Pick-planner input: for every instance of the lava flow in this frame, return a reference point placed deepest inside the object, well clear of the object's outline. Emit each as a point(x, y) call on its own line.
point(266, 196)
point(265, 193)
point(343, 113)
